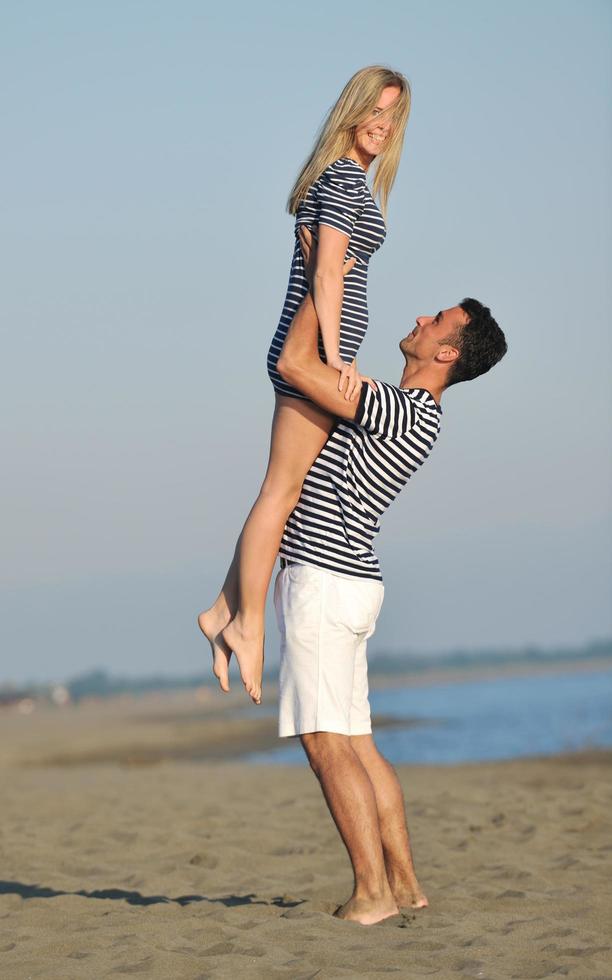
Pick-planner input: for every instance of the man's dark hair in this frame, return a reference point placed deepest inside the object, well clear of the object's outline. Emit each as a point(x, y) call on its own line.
point(481, 343)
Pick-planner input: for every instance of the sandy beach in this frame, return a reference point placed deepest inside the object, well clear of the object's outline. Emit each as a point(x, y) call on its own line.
point(130, 845)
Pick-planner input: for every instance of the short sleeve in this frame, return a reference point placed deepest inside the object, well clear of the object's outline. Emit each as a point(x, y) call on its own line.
point(341, 194)
point(387, 412)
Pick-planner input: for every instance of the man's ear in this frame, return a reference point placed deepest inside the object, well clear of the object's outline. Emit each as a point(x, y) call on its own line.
point(447, 354)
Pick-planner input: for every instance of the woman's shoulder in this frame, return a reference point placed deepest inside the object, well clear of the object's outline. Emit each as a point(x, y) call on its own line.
point(341, 183)
point(343, 177)
point(345, 168)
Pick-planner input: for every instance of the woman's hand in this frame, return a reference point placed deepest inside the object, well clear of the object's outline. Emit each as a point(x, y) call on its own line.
point(350, 381)
point(354, 381)
point(348, 378)
point(351, 378)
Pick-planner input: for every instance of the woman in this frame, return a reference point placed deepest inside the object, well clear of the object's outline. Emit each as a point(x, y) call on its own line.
point(332, 199)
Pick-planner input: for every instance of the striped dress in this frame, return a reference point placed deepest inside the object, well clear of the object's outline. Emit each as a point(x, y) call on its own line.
point(341, 199)
point(360, 470)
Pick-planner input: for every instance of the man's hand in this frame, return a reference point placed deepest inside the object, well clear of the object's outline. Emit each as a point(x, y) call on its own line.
point(349, 381)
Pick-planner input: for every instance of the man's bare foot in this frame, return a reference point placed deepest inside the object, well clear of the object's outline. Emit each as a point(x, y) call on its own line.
point(410, 895)
point(418, 901)
point(212, 625)
point(367, 911)
point(249, 650)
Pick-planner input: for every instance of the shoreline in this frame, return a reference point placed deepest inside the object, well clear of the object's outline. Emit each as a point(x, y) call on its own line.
point(200, 726)
point(146, 731)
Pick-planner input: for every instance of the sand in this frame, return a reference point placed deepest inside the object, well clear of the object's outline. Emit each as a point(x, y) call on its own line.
point(122, 856)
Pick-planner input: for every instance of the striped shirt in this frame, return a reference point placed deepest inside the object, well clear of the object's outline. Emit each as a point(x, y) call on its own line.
point(358, 473)
point(341, 199)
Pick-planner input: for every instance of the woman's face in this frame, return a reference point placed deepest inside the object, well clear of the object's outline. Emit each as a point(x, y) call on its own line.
point(371, 135)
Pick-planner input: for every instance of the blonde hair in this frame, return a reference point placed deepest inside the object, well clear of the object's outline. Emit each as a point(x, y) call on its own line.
point(337, 135)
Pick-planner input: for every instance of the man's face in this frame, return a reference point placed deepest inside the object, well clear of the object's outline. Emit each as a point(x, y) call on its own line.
point(425, 341)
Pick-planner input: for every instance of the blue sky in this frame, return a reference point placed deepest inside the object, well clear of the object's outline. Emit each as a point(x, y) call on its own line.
point(148, 152)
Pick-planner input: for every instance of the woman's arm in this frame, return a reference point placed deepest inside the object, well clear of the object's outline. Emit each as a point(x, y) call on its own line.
point(328, 290)
point(349, 379)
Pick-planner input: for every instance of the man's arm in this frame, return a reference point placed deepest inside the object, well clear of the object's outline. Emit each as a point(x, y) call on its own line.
point(300, 365)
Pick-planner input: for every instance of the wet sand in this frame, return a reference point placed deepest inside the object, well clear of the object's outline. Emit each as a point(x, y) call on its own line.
point(121, 855)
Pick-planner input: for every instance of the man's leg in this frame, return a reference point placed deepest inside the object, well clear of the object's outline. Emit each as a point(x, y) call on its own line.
point(392, 823)
point(352, 802)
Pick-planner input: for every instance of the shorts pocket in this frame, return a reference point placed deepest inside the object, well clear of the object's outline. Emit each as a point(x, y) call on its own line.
point(358, 604)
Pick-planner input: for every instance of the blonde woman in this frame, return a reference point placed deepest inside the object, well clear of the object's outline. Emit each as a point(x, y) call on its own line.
point(331, 198)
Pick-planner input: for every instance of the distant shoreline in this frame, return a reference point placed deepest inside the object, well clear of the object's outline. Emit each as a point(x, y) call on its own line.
point(201, 724)
point(384, 671)
point(479, 672)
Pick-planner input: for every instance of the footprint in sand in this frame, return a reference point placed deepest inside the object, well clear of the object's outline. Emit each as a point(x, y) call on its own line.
point(219, 949)
point(208, 861)
point(143, 966)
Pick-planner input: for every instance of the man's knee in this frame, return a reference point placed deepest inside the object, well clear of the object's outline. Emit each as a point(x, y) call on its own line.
point(365, 747)
point(370, 756)
point(324, 748)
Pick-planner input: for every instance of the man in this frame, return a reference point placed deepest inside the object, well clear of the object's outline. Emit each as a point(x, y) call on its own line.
point(329, 591)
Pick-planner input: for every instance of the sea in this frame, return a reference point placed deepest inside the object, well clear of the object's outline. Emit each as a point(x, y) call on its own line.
point(487, 719)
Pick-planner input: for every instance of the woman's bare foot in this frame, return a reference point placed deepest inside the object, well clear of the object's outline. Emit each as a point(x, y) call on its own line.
point(249, 650)
point(367, 911)
point(212, 624)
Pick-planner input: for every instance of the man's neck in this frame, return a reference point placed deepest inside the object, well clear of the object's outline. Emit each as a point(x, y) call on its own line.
point(414, 376)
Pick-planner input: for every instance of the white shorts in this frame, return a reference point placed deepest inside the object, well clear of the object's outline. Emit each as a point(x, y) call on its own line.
point(325, 621)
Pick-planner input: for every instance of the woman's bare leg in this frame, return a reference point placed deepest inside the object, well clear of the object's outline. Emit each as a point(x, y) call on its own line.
point(236, 620)
point(212, 621)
